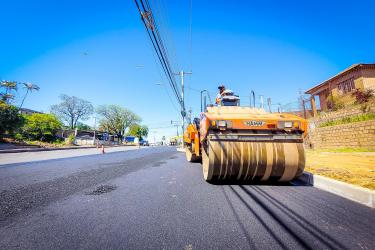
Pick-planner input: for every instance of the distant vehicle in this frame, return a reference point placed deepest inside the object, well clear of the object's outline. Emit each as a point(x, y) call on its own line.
point(131, 140)
point(173, 142)
point(144, 143)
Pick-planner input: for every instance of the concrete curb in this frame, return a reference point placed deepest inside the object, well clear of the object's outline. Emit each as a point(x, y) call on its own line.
point(361, 195)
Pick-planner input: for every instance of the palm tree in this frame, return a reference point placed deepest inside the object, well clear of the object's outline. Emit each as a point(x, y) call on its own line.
point(6, 97)
point(9, 86)
point(29, 88)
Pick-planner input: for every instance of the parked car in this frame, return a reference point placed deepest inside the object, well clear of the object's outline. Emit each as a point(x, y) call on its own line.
point(144, 143)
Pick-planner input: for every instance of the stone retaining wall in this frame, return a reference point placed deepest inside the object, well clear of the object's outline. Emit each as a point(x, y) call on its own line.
point(353, 135)
point(340, 114)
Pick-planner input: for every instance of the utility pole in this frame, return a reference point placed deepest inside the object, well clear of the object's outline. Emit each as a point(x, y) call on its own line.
point(176, 124)
point(94, 129)
point(189, 117)
point(183, 112)
point(304, 108)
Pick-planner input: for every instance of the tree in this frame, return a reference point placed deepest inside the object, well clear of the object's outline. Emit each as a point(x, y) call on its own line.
point(29, 88)
point(138, 131)
point(10, 119)
point(41, 126)
point(72, 109)
point(116, 119)
point(82, 126)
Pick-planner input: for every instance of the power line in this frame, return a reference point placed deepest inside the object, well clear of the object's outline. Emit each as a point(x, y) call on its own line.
point(191, 34)
point(163, 24)
point(163, 86)
point(169, 126)
point(151, 26)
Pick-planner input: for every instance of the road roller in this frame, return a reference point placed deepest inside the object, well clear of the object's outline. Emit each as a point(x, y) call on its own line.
point(246, 144)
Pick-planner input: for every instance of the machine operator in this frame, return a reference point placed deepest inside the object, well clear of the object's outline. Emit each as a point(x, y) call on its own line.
point(220, 95)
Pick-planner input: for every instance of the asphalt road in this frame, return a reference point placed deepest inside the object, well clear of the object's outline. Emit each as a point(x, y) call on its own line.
point(153, 199)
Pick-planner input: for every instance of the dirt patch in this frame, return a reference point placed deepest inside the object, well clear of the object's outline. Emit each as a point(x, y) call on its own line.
point(102, 190)
point(354, 168)
point(173, 157)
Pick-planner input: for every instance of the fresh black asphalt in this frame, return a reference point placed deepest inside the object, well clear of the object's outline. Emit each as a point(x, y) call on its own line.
point(153, 199)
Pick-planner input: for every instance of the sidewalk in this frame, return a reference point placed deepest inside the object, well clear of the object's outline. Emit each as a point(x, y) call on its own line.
point(57, 154)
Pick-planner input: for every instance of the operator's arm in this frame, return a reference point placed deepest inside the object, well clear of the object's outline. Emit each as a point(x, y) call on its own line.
point(218, 98)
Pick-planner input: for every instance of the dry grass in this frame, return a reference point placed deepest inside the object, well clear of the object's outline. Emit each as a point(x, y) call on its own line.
point(357, 168)
point(57, 144)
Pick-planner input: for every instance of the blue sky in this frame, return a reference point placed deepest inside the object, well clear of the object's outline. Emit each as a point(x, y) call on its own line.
point(277, 48)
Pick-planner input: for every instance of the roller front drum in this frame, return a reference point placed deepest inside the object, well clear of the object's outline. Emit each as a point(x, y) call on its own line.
point(252, 161)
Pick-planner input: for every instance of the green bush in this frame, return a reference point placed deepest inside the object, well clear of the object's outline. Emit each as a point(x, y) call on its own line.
point(19, 137)
point(334, 103)
point(363, 96)
point(71, 139)
point(41, 127)
point(10, 119)
point(351, 119)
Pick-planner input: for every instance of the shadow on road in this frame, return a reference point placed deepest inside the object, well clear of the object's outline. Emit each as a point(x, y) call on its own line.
point(238, 219)
point(295, 183)
point(292, 223)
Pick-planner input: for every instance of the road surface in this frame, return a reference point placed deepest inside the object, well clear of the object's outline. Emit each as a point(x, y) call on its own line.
point(153, 199)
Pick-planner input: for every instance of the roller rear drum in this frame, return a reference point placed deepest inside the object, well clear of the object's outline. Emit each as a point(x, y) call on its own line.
point(190, 156)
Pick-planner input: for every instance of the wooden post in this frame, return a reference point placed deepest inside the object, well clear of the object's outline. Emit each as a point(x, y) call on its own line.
point(313, 106)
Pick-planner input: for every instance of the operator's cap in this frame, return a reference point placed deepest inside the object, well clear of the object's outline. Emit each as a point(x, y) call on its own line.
point(221, 86)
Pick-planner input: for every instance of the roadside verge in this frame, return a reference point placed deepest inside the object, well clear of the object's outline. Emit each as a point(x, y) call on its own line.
point(179, 149)
point(361, 195)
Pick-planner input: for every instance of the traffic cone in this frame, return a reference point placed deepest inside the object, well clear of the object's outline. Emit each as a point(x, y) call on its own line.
point(103, 152)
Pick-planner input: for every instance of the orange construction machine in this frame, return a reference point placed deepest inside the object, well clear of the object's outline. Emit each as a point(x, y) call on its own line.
point(238, 143)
